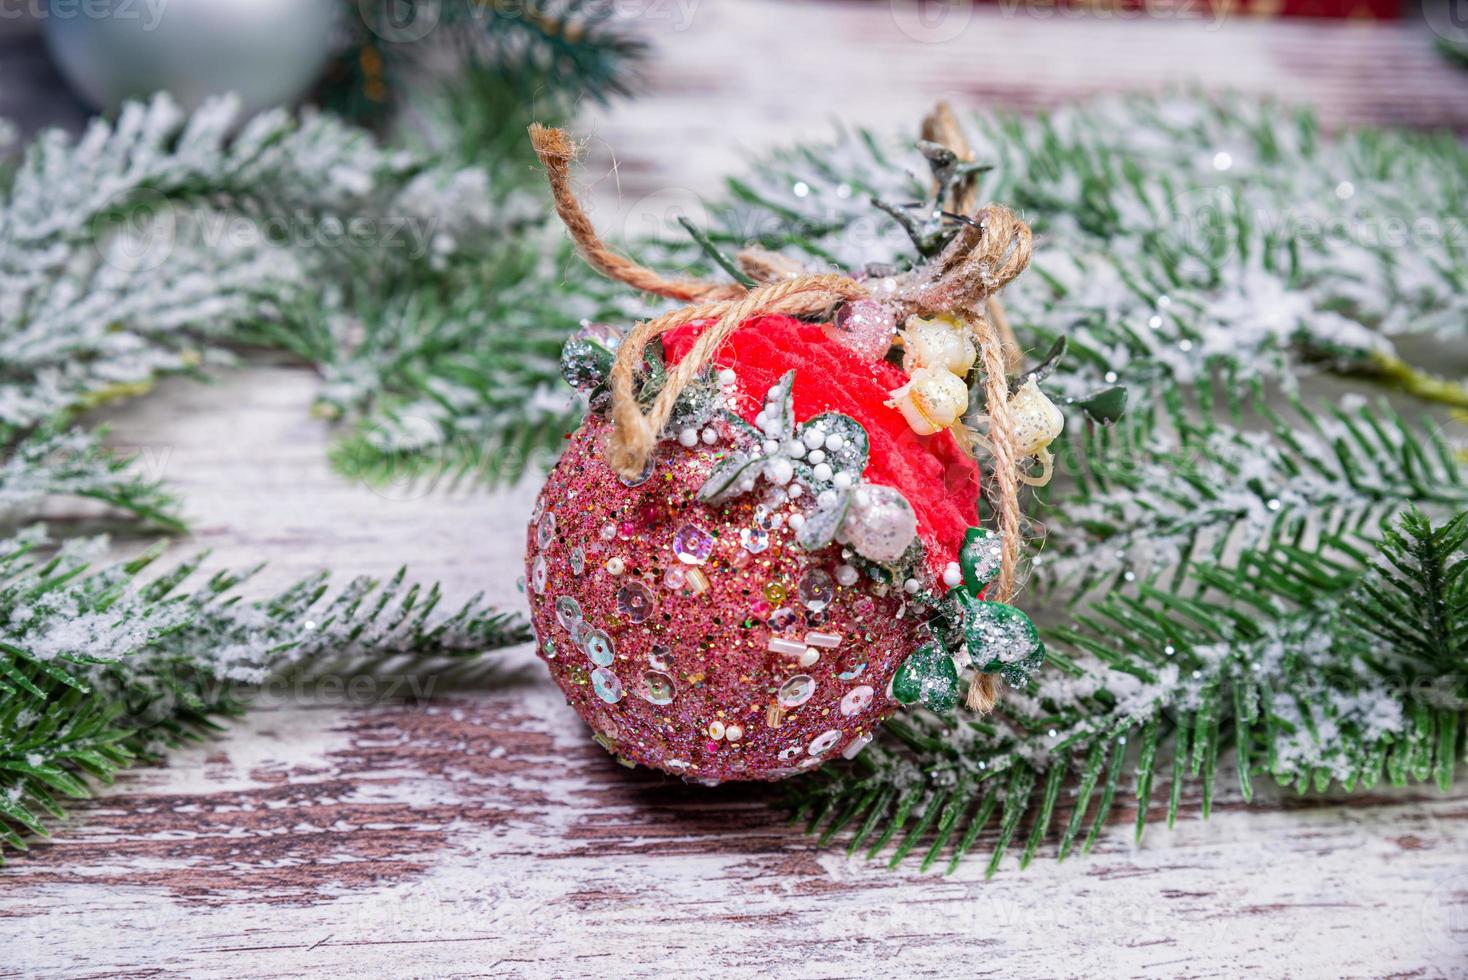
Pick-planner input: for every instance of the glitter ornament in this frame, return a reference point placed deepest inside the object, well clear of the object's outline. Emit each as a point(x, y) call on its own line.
point(778, 511)
point(723, 608)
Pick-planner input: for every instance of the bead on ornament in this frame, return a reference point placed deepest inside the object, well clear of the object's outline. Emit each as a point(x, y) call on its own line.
point(1036, 423)
point(865, 326)
point(932, 400)
point(937, 343)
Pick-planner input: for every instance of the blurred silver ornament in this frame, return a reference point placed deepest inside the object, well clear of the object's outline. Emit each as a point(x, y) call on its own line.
point(268, 52)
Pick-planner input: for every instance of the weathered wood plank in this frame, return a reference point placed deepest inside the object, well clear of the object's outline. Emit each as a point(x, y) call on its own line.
point(483, 833)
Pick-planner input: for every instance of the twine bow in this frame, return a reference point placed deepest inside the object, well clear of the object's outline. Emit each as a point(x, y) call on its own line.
point(989, 250)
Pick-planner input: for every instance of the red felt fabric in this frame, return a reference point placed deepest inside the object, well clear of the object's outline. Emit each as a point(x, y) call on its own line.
point(932, 472)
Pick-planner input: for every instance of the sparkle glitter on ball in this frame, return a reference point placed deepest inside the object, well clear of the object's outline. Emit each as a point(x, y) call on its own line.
point(694, 626)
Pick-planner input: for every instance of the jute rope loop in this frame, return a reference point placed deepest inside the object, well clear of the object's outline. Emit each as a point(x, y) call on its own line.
point(634, 434)
point(987, 252)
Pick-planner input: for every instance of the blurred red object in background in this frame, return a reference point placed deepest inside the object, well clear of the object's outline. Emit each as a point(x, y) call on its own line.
point(1219, 9)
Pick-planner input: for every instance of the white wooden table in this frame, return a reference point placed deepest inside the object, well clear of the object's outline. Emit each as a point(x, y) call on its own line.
point(485, 833)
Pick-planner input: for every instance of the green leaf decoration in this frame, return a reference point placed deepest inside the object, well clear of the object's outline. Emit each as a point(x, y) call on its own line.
point(1042, 370)
point(586, 363)
point(725, 482)
point(980, 558)
point(949, 621)
point(695, 405)
point(655, 372)
point(1002, 640)
point(928, 676)
point(1105, 406)
point(741, 430)
point(821, 525)
point(852, 456)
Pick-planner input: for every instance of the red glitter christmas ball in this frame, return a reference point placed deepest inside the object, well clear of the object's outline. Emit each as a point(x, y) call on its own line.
point(703, 637)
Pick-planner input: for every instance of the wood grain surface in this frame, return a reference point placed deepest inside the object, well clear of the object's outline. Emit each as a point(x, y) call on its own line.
point(482, 833)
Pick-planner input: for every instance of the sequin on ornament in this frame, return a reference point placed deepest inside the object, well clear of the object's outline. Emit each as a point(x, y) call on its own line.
point(692, 544)
point(816, 589)
point(754, 540)
point(796, 691)
point(568, 612)
point(657, 688)
point(538, 574)
point(600, 648)
point(642, 477)
point(545, 530)
point(578, 560)
point(856, 700)
point(635, 601)
point(784, 620)
point(824, 742)
point(606, 685)
point(674, 578)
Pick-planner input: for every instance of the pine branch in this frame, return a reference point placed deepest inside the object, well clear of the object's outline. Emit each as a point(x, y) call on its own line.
point(1169, 484)
point(100, 670)
point(560, 51)
point(1278, 655)
point(138, 248)
point(54, 461)
point(1174, 237)
point(571, 46)
point(458, 378)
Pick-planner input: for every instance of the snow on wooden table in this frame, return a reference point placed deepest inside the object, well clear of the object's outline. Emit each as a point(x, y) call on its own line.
point(331, 834)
